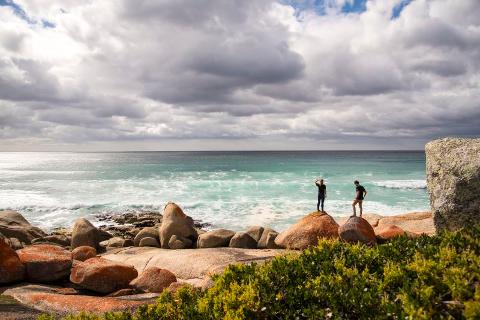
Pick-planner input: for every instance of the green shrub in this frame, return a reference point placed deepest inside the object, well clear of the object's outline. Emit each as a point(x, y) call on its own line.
point(425, 278)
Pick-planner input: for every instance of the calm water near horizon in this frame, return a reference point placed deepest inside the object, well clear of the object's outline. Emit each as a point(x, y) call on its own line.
point(227, 189)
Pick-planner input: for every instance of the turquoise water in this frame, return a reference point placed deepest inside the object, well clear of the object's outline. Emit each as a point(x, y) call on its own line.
point(227, 189)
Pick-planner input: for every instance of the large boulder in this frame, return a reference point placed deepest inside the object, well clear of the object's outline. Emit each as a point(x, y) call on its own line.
point(83, 253)
point(267, 240)
point(453, 181)
point(102, 275)
point(175, 222)
point(148, 232)
point(215, 238)
point(11, 268)
point(14, 225)
point(389, 232)
point(357, 229)
point(153, 280)
point(45, 262)
point(84, 233)
point(149, 242)
point(59, 239)
point(255, 232)
point(306, 232)
point(243, 240)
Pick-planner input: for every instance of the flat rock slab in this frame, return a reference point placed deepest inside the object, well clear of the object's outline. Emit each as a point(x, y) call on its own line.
point(11, 309)
point(416, 222)
point(190, 263)
point(47, 299)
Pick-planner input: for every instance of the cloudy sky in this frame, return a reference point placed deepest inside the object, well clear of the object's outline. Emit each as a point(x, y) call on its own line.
point(234, 74)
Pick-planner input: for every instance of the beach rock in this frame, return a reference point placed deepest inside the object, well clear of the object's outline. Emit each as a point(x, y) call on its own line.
point(45, 262)
point(58, 239)
point(453, 181)
point(357, 229)
point(102, 275)
point(306, 232)
point(175, 222)
point(255, 232)
point(122, 293)
point(115, 242)
point(15, 244)
point(389, 232)
point(150, 232)
point(47, 299)
point(153, 280)
point(14, 225)
point(83, 253)
point(175, 286)
point(179, 242)
point(243, 240)
point(84, 233)
point(267, 240)
point(149, 242)
point(215, 238)
point(11, 268)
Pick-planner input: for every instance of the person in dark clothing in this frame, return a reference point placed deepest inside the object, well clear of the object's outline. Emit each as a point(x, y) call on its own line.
point(322, 193)
point(360, 194)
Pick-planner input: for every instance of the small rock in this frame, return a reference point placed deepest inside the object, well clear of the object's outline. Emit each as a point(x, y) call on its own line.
point(255, 232)
point(179, 242)
point(83, 253)
point(122, 292)
point(45, 262)
point(102, 275)
point(306, 232)
point(115, 242)
point(154, 280)
point(11, 268)
point(150, 232)
point(271, 240)
point(215, 238)
point(243, 240)
point(389, 232)
point(61, 240)
point(15, 244)
point(175, 222)
point(149, 242)
point(357, 229)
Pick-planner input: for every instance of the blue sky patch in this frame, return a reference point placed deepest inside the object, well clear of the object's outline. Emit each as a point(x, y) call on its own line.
point(22, 14)
point(397, 10)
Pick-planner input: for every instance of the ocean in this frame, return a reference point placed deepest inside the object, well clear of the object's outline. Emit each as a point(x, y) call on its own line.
point(226, 189)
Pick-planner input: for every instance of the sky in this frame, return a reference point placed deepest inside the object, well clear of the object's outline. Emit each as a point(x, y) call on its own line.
point(111, 75)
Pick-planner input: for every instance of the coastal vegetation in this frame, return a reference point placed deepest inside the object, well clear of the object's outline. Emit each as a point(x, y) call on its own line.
point(429, 277)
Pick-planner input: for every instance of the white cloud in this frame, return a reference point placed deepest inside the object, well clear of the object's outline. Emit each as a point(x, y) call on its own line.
point(205, 73)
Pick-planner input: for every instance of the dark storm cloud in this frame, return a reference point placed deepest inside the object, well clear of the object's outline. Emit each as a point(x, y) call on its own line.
point(120, 71)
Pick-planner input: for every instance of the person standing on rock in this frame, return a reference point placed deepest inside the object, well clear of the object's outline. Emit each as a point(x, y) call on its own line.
point(322, 193)
point(360, 194)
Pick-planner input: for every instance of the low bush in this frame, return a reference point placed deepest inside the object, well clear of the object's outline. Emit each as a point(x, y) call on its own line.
point(425, 278)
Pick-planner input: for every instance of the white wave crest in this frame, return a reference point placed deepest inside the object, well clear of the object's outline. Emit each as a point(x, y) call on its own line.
point(402, 184)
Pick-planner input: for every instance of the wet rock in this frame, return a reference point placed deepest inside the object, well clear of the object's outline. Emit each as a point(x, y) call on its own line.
point(175, 222)
point(45, 262)
point(11, 268)
point(255, 232)
point(149, 232)
point(14, 225)
point(215, 238)
point(243, 240)
point(154, 280)
point(83, 253)
point(306, 232)
point(179, 242)
point(102, 275)
point(357, 229)
point(60, 240)
point(149, 242)
point(453, 181)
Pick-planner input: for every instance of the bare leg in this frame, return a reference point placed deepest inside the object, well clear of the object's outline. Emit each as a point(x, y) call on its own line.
point(354, 209)
point(361, 207)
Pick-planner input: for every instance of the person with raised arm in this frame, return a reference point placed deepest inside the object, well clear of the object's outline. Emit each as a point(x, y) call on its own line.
point(322, 193)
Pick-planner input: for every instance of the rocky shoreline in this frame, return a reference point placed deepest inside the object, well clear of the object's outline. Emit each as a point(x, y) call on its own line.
point(130, 259)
